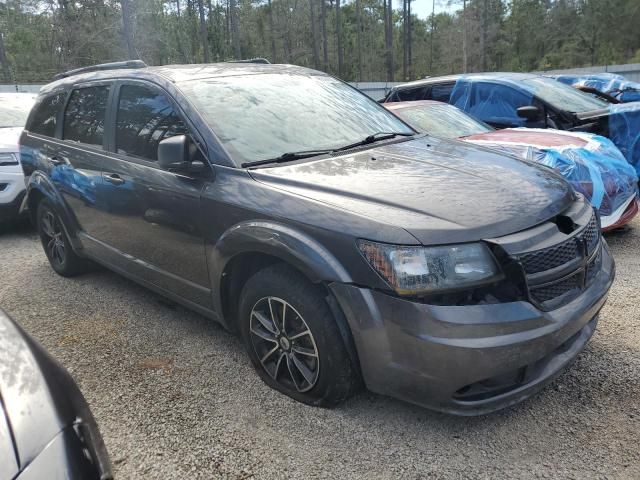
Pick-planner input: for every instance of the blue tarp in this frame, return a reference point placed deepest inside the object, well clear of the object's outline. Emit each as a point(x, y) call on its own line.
point(598, 170)
point(495, 98)
point(612, 84)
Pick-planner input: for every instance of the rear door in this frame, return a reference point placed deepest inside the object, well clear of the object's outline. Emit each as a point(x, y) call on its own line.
point(153, 224)
point(77, 157)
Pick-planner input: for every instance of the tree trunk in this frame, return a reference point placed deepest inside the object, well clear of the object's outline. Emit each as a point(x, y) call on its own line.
point(404, 40)
point(314, 35)
point(464, 36)
point(409, 39)
point(339, 38)
point(359, 37)
point(325, 47)
point(235, 33)
point(203, 33)
point(183, 54)
point(128, 36)
point(388, 13)
point(272, 28)
point(6, 71)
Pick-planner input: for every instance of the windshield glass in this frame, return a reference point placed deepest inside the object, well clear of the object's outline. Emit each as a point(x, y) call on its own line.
point(14, 109)
point(562, 96)
point(443, 121)
point(262, 116)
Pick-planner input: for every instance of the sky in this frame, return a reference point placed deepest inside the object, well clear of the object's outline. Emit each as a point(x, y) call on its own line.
point(422, 8)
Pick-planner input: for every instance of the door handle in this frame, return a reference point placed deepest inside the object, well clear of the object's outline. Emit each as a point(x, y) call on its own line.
point(55, 160)
point(113, 178)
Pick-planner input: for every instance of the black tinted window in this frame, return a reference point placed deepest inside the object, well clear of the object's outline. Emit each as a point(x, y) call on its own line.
point(45, 115)
point(412, 94)
point(84, 117)
point(442, 93)
point(145, 117)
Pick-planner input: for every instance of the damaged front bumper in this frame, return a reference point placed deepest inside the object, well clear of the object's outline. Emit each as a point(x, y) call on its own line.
point(467, 360)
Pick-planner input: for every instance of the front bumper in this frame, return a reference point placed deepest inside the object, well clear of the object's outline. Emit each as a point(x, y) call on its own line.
point(467, 360)
point(12, 191)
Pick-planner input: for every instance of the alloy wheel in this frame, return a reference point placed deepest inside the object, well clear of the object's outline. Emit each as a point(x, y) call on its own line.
point(284, 344)
point(54, 238)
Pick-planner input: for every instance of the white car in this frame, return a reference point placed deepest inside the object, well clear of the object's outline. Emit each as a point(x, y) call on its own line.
point(14, 110)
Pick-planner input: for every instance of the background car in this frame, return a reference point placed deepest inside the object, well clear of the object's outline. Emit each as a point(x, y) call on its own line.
point(46, 427)
point(609, 86)
point(591, 163)
point(14, 109)
point(507, 100)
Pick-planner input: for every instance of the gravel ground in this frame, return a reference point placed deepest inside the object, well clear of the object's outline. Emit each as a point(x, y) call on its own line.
point(175, 396)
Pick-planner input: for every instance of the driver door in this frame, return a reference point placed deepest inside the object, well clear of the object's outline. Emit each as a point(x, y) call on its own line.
point(153, 225)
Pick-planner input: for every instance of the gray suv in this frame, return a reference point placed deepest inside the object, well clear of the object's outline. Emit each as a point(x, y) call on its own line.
point(341, 245)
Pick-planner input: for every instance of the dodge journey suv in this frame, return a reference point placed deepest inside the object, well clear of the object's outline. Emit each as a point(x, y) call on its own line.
point(344, 247)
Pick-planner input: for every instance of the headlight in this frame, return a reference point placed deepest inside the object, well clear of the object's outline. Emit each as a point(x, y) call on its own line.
point(413, 270)
point(7, 159)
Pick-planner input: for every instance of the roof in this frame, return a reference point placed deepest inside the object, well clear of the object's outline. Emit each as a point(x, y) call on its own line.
point(181, 73)
point(506, 77)
point(412, 104)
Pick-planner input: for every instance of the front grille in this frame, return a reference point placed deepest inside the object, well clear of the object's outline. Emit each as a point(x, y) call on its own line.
point(580, 255)
point(549, 292)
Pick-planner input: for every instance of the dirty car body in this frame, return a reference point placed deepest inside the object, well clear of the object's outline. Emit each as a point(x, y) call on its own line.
point(508, 100)
point(591, 163)
point(46, 427)
point(455, 277)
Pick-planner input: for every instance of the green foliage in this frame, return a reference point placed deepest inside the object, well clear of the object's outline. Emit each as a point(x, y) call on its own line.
point(45, 37)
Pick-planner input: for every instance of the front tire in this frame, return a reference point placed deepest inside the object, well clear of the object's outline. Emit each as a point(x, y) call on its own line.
point(56, 244)
point(292, 338)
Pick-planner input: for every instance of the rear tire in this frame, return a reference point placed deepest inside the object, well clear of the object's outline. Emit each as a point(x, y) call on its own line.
point(56, 244)
point(292, 338)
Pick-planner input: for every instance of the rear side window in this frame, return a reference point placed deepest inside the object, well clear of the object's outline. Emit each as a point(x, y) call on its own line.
point(84, 116)
point(44, 118)
point(442, 93)
point(411, 94)
point(145, 118)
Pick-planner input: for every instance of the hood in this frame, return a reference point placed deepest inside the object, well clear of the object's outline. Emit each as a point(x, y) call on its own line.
point(39, 397)
point(9, 138)
point(440, 191)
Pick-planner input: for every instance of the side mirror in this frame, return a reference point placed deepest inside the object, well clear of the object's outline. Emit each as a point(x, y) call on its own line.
point(530, 113)
point(173, 153)
point(176, 154)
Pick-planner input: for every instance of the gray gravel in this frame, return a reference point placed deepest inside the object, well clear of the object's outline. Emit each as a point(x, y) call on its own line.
point(175, 396)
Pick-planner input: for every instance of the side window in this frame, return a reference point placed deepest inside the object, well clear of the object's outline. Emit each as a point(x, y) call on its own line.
point(145, 117)
point(497, 104)
point(84, 116)
point(44, 118)
point(412, 94)
point(441, 93)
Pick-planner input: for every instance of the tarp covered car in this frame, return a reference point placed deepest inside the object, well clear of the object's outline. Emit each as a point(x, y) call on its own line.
point(610, 84)
point(506, 100)
point(591, 163)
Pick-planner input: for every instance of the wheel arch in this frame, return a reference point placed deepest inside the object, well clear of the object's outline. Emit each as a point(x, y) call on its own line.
point(249, 247)
point(40, 187)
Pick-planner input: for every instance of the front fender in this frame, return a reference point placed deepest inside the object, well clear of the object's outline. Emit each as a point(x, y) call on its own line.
point(271, 238)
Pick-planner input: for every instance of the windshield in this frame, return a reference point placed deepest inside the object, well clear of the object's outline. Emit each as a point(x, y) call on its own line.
point(14, 109)
point(443, 121)
point(262, 116)
point(562, 96)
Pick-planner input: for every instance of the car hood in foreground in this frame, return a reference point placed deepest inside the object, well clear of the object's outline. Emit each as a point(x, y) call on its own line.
point(440, 191)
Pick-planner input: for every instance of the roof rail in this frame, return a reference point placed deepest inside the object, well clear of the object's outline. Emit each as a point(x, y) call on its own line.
point(102, 66)
point(251, 60)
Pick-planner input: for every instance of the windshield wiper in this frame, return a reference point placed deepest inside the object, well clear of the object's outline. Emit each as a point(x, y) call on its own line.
point(375, 137)
point(286, 157)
